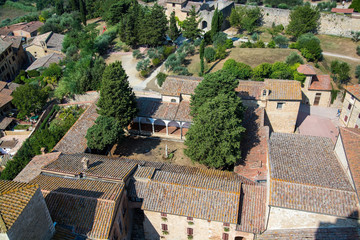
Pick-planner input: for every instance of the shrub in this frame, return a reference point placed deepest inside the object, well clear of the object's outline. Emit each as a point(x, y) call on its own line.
point(255, 37)
point(283, 6)
point(281, 41)
point(169, 50)
point(261, 71)
point(271, 44)
point(238, 69)
point(221, 52)
point(161, 77)
point(340, 71)
point(197, 42)
point(311, 43)
point(294, 58)
point(144, 73)
point(219, 39)
point(181, 70)
point(143, 65)
point(246, 45)
point(33, 73)
point(259, 44)
point(210, 54)
point(299, 77)
point(156, 62)
point(229, 43)
point(294, 45)
point(136, 54)
point(207, 38)
point(357, 71)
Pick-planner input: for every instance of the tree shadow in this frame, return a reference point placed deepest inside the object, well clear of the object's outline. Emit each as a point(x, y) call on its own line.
point(136, 145)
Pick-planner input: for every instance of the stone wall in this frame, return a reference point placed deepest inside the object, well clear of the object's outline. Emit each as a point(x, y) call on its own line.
point(177, 228)
point(284, 119)
point(330, 23)
point(34, 222)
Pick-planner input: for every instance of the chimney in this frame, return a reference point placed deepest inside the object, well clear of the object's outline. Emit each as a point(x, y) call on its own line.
point(42, 150)
point(85, 163)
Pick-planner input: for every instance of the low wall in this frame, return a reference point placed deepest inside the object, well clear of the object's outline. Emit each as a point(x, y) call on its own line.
point(330, 23)
point(13, 133)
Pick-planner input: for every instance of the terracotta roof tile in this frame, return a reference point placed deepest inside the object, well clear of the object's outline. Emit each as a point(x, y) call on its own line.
point(283, 89)
point(137, 189)
point(306, 160)
point(176, 85)
point(354, 90)
point(313, 199)
point(194, 202)
point(2, 85)
point(14, 197)
point(33, 168)
point(4, 45)
point(306, 69)
point(332, 233)
point(342, 10)
point(5, 99)
point(321, 82)
point(144, 172)
point(74, 140)
point(250, 90)
point(5, 122)
point(351, 141)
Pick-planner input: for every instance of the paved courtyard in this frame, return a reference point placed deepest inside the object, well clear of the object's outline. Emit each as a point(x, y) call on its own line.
point(318, 121)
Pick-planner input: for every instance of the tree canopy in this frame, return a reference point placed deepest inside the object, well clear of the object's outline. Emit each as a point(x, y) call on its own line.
point(246, 18)
point(117, 99)
point(304, 19)
point(214, 138)
point(216, 22)
point(29, 99)
point(174, 32)
point(190, 25)
point(340, 71)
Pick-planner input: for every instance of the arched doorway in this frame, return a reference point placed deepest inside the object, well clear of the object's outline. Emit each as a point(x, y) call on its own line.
point(174, 128)
point(159, 126)
point(204, 25)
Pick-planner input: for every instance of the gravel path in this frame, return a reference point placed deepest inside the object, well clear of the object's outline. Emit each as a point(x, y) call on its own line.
point(340, 56)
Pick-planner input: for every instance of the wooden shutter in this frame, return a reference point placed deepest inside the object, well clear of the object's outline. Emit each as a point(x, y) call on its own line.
point(190, 231)
point(164, 227)
point(225, 236)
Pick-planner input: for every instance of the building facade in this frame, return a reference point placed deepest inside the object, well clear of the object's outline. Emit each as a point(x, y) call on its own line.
point(350, 112)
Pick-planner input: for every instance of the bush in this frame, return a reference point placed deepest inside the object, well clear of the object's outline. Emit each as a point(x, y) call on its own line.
point(294, 58)
point(255, 37)
point(357, 71)
point(259, 44)
point(261, 71)
point(143, 65)
point(197, 42)
point(340, 71)
point(144, 73)
point(229, 43)
point(238, 69)
point(271, 44)
point(293, 45)
point(246, 45)
point(309, 46)
point(283, 6)
point(156, 62)
point(181, 70)
point(161, 77)
point(169, 50)
point(281, 41)
point(136, 54)
point(33, 73)
point(210, 54)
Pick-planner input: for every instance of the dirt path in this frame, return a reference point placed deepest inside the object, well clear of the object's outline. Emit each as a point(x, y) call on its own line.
point(340, 56)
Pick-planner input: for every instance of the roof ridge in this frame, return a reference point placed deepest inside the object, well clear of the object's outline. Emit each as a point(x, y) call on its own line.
point(350, 131)
point(25, 186)
point(308, 184)
point(78, 196)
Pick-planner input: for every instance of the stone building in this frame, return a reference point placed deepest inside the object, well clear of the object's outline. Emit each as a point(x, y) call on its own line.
point(317, 88)
point(12, 58)
point(280, 98)
point(24, 214)
point(350, 112)
point(24, 29)
point(205, 9)
point(44, 44)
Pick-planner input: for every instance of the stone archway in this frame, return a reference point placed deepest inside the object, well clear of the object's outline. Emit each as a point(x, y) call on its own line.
point(174, 128)
point(159, 126)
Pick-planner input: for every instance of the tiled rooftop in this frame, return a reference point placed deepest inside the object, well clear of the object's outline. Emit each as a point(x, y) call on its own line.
point(144, 172)
point(4, 99)
point(164, 110)
point(14, 197)
point(194, 202)
point(306, 160)
point(342, 233)
point(354, 90)
point(14, 40)
point(283, 89)
point(4, 45)
point(321, 82)
point(176, 85)
point(250, 90)
point(45, 61)
point(74, 140)
point(351, 140)
point(80, 187)
point(313, 199)
point(33, 168)
point(306, 69)
point(99, 166)
point(342, 10)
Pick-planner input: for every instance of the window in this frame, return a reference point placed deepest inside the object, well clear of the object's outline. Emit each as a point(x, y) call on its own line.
point(163, 214)
point(189, 218)
point(190, 231)
point(264, 92)
point(349, 107)
point(173, 4)
point(225, 236)
point(352, 97)
point(359, 115)
point(226, 224)
point(173, 100)
point(164, 227)
point(279, 105)
point(345, 118)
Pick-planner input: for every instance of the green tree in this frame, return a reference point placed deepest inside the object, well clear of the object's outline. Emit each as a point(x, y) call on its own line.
point(262, 71)
point(117, 99)
point(357, 71)
point(117, 11)
point(216, 22)
point(246, 18)
point(281, 41)
point(201, 51)
point(59, 7)
point(355, 4)
point(304, 19)
point(212, 85)
point(309, 46)
point(294, 58)
point(190, 25)
point(340, 71)
point(238, 69)
point(82, 6)
point(106, 132)
point(130, 26)
point(215, 135)
point(174, 32)
point(29, 99)
point(210, 54)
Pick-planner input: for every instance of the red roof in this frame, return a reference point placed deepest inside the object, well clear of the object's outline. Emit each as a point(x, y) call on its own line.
point(354, 90)
point(342, 10)
point(321, 82)
point(306, 69)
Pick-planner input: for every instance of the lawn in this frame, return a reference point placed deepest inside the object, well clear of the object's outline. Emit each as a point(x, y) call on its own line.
point(250, 56)
point(21, 127)
point(338, 45)
point(10, 12)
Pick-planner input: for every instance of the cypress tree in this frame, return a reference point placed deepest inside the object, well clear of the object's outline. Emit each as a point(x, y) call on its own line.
point(216, 22)
point(82, 6)
point(173, 31)
point(59, 7)
point(117, 99)
point(190, 25)
point(202, 49)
